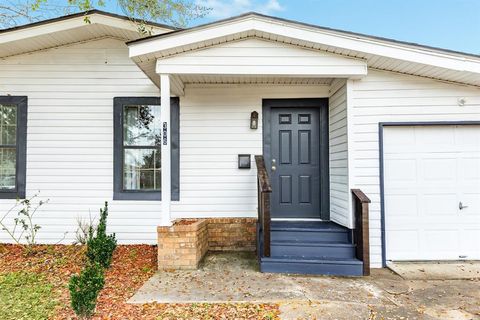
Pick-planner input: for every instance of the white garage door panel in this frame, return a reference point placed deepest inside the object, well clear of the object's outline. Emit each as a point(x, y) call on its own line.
point(428, 170)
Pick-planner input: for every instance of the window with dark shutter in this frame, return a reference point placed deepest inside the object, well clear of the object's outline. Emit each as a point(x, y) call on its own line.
point(137, 148)
point(13, 136)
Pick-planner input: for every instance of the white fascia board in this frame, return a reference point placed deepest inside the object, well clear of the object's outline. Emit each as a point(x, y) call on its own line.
point(72, 23)
point(311, 35)
point(376, 47)
point(353, 72)
point(185, 38)
point(123, 24)
point(113, 22)
point(42, 29)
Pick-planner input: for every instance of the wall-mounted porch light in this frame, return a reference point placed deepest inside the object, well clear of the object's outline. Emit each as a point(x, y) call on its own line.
point(254, 120)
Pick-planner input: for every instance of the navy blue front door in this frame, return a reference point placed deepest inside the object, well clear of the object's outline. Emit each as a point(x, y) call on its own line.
point(294, 162)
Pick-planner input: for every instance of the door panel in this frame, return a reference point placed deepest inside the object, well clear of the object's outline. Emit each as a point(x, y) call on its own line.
point(295, 159)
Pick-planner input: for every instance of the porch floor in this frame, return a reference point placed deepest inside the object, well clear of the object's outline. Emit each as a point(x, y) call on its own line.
point(234, 277)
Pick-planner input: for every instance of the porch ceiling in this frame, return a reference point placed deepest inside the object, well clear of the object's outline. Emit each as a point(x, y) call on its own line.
point(226, 79)
point(178, 82)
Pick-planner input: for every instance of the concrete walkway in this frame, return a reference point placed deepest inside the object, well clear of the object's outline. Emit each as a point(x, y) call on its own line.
point(234, 277)
point(454, 270)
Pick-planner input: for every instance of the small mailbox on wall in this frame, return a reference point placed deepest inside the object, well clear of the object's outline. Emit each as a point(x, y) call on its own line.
point(244, 161)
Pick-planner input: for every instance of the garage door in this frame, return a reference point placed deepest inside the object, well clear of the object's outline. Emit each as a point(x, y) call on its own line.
point(432, 192)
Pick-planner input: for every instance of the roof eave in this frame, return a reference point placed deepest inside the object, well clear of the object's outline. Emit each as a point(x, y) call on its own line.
point(287, 21)
point(84, 14)
point(70, 29)
point(255, 23)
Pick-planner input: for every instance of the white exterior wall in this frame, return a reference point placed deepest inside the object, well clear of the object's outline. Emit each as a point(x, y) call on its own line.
point(390, 97)
point(70, 135)
point(214, 129)
point(340, 205)
point(70, 140)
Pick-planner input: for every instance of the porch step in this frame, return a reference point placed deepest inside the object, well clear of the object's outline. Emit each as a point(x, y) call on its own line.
point(312, 249)
point(294, 265)
point(308, 231)
point(317, 247)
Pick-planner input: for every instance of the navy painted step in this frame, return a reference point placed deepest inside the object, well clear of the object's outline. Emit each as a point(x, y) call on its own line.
point(312, 249)
point(308, 231)
point(336, 267)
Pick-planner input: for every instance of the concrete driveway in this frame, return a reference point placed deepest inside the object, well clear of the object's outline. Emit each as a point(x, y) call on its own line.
point(234, 277)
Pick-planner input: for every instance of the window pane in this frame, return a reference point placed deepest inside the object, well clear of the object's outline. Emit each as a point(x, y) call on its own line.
point(7, 168)
point(8, 124)
point(141, 170)
point(141, 125)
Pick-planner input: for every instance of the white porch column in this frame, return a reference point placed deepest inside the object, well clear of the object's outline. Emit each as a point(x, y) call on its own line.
point(166, 150)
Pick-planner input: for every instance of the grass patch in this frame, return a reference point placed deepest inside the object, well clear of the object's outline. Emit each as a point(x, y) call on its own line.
point(25, 296)
point(213, 311)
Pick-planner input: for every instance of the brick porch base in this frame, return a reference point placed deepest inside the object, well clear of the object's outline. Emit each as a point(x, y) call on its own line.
point(183, 245)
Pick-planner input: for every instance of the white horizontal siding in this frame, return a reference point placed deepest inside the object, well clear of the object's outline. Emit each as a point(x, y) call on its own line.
point(70, 138)
point(338, 146)
point(259, 57)
point(214, 129)
point(390, 97)
point(70, 93)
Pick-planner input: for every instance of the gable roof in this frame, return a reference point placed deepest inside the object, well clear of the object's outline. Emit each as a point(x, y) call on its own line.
point(379, 53)
point(71, 28)
point(357, 34)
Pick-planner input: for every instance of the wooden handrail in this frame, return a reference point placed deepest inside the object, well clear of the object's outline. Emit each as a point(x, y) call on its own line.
point(262, 175)
point(264, 190)
point(361, 231)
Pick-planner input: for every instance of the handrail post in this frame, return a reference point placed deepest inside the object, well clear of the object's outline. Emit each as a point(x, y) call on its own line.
point(264, 189)
point(361, 232)
point(266, 224)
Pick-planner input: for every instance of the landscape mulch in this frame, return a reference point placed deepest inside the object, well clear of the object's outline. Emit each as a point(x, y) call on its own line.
point(132, 266)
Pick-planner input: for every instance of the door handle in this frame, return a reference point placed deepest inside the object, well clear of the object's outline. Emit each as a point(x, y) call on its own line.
point(461, 206)
point(274, 164)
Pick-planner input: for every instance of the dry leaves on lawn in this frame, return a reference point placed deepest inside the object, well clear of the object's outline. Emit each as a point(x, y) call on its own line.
point(131, 267)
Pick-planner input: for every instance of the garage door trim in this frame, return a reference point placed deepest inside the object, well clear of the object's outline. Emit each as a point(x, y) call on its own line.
point(381, 126)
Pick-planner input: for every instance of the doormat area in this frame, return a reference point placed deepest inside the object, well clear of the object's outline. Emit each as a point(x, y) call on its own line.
point(437, 270)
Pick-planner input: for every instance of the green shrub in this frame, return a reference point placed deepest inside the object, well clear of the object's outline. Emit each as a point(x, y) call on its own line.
point(84, 289)
point(100, 246)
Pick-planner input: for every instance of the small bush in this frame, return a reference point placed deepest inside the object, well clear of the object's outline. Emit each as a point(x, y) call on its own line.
point(100, 246)
point(21, 228)
point(84, 289)
point(83, 230)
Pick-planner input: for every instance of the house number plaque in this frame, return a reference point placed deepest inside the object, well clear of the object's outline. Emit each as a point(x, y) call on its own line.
point(164, 135)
